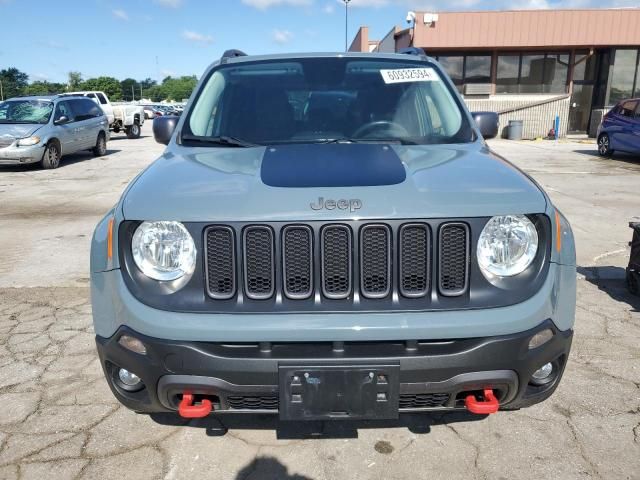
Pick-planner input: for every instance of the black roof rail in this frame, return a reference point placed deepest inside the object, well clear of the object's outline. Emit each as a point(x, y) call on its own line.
point(412, 51)
point(233, 53)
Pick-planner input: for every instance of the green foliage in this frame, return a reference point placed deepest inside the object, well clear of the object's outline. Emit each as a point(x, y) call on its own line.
point(109, 85)
point(130, 89)
point(13, 82)
point(44, 88)
point(74, 81)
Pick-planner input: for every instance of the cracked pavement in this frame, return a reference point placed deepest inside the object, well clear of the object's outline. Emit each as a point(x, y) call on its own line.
point(59, 419)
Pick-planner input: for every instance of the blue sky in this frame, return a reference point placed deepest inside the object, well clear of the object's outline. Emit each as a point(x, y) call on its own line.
point(122, 38)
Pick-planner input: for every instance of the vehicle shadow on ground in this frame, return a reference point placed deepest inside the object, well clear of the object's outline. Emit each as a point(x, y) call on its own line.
point(611, 280)
point(64, 162)
point(268, 468)
point(218, 425)
point(619, 157)
point(122, 136)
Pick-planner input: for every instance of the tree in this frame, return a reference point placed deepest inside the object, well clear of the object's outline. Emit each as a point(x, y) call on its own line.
point(44, 88)
point(179, 88)
point(109, 85)
point(130, 89)
point(74, 81)
point(13, 82)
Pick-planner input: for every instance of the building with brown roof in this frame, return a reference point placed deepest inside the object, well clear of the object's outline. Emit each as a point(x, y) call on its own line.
point(530, 65)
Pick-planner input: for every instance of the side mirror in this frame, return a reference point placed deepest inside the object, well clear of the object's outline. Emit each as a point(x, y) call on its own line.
point(163, 128)
point(61, 120)
point(487, 122)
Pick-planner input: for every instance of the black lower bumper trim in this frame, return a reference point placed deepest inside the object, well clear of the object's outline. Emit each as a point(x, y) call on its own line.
point(245, 377)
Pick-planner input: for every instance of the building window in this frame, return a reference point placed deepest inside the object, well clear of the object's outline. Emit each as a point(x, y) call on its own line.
point(625, 67)
point(532, 73)
point(454, 66)
point(477, 69)
point(467, 69)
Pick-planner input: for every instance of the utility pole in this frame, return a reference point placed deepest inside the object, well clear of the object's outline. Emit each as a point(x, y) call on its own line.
point(346, 24)
point(1, 92)
point(140, 91)
point(133, 95)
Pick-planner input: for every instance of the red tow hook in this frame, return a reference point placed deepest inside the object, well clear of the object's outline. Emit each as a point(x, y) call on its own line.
point(187, 409)
point(482, 407)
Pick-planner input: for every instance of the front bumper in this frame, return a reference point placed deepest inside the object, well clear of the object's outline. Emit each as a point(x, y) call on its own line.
point(21, 155)
point(433, 375)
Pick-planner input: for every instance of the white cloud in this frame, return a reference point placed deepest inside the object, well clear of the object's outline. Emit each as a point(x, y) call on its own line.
point(120, 14)
point(41, 77)
point(282, 36)
point(197, 37)
point(167, 73)
point(329, 8)
point(170, 3)
point(264, 4)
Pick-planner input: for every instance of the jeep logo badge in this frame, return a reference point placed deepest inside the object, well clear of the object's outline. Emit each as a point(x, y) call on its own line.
point(352, 204)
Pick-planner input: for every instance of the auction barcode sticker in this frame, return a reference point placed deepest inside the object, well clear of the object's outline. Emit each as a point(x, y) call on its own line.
point(405, 75)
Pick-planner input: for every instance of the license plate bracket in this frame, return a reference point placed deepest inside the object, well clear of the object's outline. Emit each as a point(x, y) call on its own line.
point(339, 392)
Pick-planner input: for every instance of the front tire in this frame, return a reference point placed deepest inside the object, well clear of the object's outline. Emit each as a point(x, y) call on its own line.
point(101, 146)
point(133, 131)
point(604, 145)
point(51, 156)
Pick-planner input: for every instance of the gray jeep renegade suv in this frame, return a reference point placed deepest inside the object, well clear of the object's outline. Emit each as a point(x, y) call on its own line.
point(329, 236)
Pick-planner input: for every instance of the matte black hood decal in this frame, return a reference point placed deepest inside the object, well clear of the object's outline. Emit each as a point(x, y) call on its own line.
point(331, 165)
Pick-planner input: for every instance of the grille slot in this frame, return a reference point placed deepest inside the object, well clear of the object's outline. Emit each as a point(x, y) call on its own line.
point(220, 261)
point(454, 259)
point(423, 400)
point(375, 264)
point(259, 262)
point(415, 261)
point(297, 261)
point(265, 402)
point(336, 261)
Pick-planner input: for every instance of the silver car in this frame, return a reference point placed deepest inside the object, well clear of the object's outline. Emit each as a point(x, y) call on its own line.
point(43, 129)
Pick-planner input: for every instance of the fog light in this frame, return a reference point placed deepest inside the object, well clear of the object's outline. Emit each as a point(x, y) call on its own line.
point(133, 344)
point(540, 338)
point(128, 378)
point(543, 374)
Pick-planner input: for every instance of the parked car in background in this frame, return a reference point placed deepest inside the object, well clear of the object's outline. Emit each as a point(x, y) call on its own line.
point(43, 129)
point(151, 112)
point(121, 117)
point(619, 130)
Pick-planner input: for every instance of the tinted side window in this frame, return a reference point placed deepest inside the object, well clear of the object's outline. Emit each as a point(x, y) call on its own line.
point(85, 109)
point(103, 100)
point(64, 108)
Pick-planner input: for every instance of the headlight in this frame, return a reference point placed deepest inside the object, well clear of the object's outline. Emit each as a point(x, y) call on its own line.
point(163, 250)
point(507, 245)
point(27, 142)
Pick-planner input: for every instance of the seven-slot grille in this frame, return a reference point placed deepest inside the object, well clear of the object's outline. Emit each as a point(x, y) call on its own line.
point(328, 259)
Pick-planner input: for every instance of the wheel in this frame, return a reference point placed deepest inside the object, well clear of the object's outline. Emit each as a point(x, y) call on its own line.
point(632, 283)
point(101, 146)
point(133, 131)
point(604, 145)
point(51, 156)
point(116, 129)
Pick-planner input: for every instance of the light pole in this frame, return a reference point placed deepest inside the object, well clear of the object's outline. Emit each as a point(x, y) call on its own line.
point(346, 24)
point(1, 92)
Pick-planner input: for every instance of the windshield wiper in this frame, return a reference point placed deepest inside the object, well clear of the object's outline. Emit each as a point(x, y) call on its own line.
point(220, 140)
point(400, 141)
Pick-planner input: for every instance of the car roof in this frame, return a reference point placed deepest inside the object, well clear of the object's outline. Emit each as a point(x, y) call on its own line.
point(34, 97)
point(291, 56)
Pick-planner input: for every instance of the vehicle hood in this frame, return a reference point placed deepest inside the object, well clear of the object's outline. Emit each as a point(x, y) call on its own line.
point(390, 182)
point(12, 130)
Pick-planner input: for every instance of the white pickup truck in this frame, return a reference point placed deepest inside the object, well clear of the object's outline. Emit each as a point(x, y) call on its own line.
point(121, 117)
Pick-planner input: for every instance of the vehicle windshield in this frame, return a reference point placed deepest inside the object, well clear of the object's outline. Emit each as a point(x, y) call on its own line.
point(26, 111)
point(320, 100)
